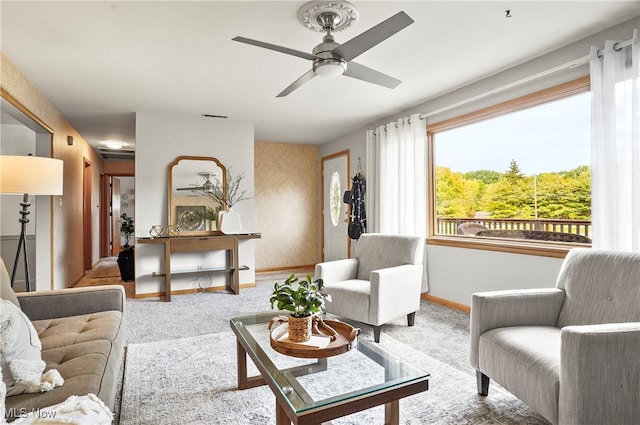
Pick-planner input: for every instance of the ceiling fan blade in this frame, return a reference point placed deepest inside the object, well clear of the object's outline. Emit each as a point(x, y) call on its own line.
point(361, 72)
point(363, 42)
point(297, 83)
point(286, 50)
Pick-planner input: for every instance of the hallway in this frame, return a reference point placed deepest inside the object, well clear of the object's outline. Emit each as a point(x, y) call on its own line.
point(107, 273)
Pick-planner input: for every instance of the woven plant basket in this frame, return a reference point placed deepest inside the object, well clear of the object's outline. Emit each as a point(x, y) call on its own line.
point(300, 328)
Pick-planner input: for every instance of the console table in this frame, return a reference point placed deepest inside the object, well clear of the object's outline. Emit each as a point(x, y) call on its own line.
point(173, 244)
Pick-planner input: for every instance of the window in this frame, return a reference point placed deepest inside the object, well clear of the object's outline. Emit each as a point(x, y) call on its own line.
point(334, 199)
point(515, 173)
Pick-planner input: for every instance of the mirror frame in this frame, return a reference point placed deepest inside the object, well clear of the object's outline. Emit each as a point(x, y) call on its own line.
point(176, 162)
point(44, 232)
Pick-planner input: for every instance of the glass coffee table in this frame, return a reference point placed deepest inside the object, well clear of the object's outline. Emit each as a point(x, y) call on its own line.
point(313, 392)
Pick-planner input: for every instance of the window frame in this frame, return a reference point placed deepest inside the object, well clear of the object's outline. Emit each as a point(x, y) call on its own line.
point(516, 246)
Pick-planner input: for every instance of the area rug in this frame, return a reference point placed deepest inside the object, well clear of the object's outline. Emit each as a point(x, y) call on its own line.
point(193, 381)
point(108, 267)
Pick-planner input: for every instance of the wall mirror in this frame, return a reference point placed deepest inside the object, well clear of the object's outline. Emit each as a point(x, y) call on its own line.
point(191, 181)
point(23, 133)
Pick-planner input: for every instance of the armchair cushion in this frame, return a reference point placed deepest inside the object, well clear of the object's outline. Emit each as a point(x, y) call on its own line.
point(508, 356)
point(378, 251)
point(600, 287)
point(502, 309)
point(350, 295)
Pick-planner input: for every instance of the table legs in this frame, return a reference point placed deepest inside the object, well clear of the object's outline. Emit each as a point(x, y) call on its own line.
point(281, 415)
point(392, 413)
point(391, 409)
point(245, 382)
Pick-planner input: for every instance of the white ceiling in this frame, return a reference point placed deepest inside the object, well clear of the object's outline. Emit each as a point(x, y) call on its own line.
point(100, 62)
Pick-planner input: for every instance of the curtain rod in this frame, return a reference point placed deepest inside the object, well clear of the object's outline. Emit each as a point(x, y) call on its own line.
point(617, 46)
point(569, 65)
point(420, 116)
point(576, 63)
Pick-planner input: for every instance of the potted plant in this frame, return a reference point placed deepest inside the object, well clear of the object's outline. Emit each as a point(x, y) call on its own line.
point(125, 257)
point(210, 215)
point(302, 299)
point(126, 228)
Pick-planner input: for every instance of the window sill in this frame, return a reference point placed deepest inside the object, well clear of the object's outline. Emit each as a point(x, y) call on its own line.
point(519, 246)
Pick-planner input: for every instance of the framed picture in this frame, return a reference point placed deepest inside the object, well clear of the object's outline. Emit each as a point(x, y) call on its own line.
point(191, 218)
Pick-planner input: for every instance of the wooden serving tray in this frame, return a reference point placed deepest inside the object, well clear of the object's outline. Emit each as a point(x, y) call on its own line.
point(344, 342)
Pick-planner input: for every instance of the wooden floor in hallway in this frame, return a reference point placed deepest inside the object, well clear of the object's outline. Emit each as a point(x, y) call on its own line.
point(106, 272)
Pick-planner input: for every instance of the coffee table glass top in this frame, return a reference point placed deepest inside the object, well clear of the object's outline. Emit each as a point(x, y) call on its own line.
point(307, 384)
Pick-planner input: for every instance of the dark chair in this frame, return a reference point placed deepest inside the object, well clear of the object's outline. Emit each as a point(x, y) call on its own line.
point(538, 235)
point(470, 228)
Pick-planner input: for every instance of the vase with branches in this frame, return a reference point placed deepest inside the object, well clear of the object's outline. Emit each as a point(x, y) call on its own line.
point(227, 194)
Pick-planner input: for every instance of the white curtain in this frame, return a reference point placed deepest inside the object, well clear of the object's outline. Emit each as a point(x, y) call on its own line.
point(396, 170)
point(615, 146)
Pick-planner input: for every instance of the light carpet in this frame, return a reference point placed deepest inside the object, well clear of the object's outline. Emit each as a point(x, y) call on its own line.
point(108, 267)
point(193, 381)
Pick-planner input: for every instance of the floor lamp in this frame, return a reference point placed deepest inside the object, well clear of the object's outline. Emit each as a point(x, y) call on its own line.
point(28, 175)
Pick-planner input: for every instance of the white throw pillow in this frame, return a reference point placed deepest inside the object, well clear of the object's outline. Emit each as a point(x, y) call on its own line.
point(20, 357)
point(3, 394)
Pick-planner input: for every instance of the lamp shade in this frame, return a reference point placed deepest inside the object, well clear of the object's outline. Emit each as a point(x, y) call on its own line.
point(30, 174)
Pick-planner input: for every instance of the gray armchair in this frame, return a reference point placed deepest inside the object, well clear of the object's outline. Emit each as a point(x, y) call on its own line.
point(569, 352)
point(381, 283)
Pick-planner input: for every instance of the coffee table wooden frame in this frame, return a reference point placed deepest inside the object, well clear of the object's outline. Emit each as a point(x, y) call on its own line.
point(285, 415)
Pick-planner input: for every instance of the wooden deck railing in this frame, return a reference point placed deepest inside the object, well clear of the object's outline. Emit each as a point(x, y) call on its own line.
point(449, 226)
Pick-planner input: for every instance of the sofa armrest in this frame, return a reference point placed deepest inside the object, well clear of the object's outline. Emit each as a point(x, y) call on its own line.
point(42, 305)
point(395, 291)
point(337, 271)
point(600, 374)
point(502, 309)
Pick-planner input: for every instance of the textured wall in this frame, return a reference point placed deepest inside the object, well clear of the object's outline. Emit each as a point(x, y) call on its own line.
point(287, 205)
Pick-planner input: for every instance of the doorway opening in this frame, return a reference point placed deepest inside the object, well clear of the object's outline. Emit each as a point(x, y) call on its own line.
point(118, 191)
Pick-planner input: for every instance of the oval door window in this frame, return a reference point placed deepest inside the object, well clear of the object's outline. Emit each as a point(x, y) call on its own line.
point(334, 198)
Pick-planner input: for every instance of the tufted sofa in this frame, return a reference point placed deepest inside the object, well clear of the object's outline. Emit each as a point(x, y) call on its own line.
point(82, 331)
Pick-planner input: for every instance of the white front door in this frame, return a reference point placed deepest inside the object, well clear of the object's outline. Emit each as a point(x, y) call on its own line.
point(335, 181)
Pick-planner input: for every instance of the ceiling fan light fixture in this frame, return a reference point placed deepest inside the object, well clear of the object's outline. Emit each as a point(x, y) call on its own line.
point(333, 67)
point(113, 144)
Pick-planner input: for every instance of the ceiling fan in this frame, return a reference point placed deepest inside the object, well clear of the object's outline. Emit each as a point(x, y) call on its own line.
point(207, 186)
point(332, 59)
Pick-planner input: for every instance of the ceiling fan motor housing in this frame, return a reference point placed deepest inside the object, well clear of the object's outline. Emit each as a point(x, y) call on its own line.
point(326, 63)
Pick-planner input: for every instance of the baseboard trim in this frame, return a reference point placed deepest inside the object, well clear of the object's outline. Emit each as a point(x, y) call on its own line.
point(447, 303)
point(191, 291)
point(280, 269)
